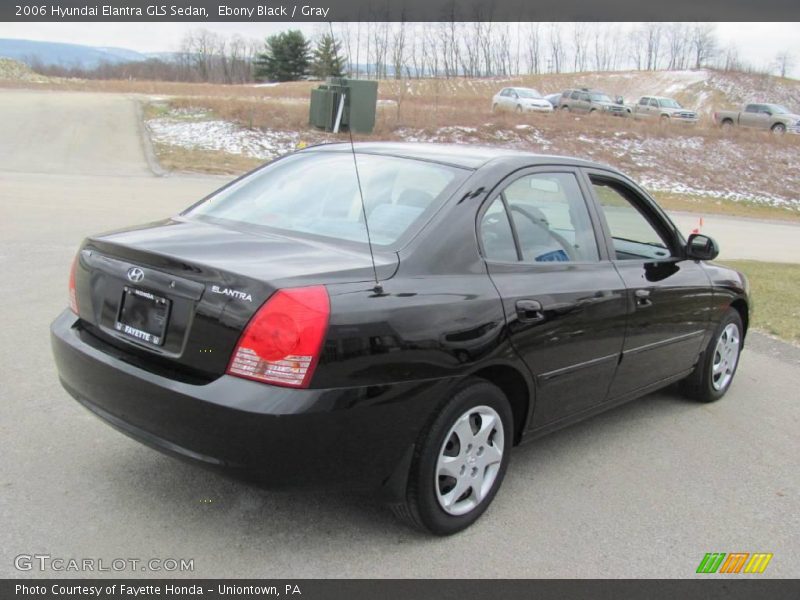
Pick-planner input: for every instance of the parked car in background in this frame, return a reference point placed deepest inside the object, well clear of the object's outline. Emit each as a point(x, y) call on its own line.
point(589, 101)
point(663, 109)
point(520, 99)
point(772, 117)
point(553, 99)
point(503, 295)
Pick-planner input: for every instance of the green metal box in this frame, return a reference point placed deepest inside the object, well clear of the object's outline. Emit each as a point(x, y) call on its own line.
point(361, 99)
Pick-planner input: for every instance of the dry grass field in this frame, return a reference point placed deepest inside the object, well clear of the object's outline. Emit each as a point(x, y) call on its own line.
point(228, 129)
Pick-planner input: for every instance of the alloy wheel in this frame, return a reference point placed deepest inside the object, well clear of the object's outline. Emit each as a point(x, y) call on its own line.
point(726, 355)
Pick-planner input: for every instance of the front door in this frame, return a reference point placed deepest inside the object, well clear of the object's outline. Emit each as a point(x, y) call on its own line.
point(564, 301)
point(669, 298)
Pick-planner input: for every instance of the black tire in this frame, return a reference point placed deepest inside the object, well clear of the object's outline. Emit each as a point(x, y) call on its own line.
point(726, 125)
point(494, 108)
point(778, 129)
point(421, 508)
point(700, 385)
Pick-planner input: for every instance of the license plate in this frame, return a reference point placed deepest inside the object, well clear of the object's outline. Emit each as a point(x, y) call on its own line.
point(143, 316)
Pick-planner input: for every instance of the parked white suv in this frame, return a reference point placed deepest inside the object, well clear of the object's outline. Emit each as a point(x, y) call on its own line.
point(520, 100)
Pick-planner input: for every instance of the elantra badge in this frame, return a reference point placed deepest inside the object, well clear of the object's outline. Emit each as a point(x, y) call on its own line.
point(135, 274)
point(231, 293)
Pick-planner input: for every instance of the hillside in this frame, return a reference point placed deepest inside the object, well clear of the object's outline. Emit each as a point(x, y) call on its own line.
point(65, 55)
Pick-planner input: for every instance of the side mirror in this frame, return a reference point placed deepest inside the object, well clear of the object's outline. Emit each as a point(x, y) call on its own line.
point(701, 247)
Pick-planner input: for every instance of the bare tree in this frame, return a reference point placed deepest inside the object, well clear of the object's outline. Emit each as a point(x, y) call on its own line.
point(785, 62)
point(556, 48)
point(703, 43)
point(534, 48)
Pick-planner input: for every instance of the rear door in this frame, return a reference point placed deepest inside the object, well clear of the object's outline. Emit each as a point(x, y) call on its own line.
point(564, 301)
point(669, 299)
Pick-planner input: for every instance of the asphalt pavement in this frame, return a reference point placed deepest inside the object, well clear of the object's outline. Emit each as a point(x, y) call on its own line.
point(644, 490)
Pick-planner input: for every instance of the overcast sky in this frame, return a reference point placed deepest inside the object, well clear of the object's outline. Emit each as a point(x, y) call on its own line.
point(758, 43)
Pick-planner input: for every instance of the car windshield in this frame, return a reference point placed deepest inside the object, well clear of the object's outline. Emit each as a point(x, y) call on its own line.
point(317, 193)
point(669, 103)
point(528, 93)
point(778, 109)
point(597, 97)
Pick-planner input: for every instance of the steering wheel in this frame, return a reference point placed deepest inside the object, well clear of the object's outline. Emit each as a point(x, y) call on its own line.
point(537, 221)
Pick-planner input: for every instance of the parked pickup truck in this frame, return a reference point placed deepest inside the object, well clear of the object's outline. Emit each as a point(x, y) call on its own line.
point(663, 109)
point(774, 117)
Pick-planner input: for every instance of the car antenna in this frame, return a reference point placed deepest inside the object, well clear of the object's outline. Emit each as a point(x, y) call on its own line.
point(378, 289)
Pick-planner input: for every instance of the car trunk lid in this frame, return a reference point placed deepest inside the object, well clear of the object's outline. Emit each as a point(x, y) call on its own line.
point(179, 292)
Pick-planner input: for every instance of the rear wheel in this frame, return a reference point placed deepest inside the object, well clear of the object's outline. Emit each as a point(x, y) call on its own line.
point(727, 125)
point(716, 369)
point(459, 461)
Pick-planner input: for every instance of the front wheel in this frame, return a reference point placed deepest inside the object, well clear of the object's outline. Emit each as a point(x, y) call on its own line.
point(779, 128)
point(459, 461)
point(716, 369)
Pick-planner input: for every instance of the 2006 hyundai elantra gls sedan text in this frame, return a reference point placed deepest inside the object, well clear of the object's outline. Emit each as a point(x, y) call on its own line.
point(511, 294)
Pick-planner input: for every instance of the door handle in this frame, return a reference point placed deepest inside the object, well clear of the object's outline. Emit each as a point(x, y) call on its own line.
point(530, 311)
point(643, 298)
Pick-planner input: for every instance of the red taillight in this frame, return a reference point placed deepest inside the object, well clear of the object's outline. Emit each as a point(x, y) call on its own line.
point(73, 294)
point(282, 342)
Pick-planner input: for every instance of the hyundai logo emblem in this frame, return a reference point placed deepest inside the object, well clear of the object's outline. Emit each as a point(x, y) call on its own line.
point(135, 274)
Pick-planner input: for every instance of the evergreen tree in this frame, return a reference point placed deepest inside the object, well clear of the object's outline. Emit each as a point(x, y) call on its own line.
point(285, 57)
point(326, 60)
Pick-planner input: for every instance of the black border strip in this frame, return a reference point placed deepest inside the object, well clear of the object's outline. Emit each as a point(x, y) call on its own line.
point(396, 10)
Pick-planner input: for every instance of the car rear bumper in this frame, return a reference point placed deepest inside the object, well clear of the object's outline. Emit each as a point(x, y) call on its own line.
point(349, 436)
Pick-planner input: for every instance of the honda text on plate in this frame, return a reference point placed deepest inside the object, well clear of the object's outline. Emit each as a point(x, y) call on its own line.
point(503, 295)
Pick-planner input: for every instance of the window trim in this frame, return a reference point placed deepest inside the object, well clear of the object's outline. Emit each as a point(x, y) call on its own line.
point(647, 207)
point(588, 200)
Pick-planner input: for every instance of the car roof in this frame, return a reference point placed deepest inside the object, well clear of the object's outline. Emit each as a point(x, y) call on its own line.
point(465, 156)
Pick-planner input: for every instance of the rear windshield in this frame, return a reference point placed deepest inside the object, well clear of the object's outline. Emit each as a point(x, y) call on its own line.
point(317, 193)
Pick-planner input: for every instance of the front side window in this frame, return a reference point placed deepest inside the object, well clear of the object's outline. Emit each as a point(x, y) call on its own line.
point(317, 193)
point(596, 97)
point(752, 108)
point(634, 236)
point(551, 219)
point(669, 103)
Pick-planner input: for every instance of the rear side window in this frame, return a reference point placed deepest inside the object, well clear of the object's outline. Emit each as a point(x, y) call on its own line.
point(644, 101)
point(575, 95)
point(545, 216)
point(496, 236)
point(317, 193)
point(654, 102)
point(551, 219)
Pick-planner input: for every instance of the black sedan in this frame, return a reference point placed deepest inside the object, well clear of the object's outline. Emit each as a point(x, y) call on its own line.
point(500, 295)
